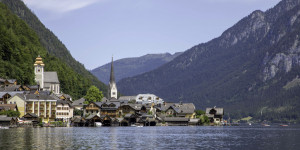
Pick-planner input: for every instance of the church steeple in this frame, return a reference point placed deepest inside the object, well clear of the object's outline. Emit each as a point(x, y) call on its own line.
point(112, 87)
point(112, 75)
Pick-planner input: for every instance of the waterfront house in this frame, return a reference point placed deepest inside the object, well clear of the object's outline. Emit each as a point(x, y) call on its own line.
point(92, 108)
point(215, 115)
point(44, 106)
point(64, 110)
point(5, 95)
point(8, 121)
point(186, 110)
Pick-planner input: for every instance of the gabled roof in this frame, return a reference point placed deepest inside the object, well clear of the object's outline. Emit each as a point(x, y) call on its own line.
point(10, 93)
point(5, 118)
point(10, 88)
point(51, 77)
point(11, 81)
point(78, 102)
point(28, 97)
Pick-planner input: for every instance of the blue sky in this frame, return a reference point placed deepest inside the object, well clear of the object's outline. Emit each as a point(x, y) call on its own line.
point(94, 30)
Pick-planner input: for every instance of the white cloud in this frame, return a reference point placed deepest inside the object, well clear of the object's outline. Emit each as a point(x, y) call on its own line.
point(59, 6)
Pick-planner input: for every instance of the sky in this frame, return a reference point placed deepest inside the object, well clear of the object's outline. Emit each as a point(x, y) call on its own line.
point(95, 30)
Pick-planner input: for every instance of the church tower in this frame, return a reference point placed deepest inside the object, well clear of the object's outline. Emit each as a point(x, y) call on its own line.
point(112, 87)
point(39, 71)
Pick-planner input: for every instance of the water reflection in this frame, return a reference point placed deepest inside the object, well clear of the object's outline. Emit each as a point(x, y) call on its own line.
point(255, 137)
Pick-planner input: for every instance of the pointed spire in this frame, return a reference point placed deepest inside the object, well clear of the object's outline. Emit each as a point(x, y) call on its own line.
point(112, 75)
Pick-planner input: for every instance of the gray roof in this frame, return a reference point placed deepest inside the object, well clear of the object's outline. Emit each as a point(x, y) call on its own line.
point(27, 97)
point(32, 115)
point(13, 93)
point(50, 77)
point(181, 108)
point(116, 105)
point(10, 88)
point(5, 118)
point(78, 102)
point(11, 80)
point(176, 119)
point(63, 102)
point(127, 98)
point(219, 111)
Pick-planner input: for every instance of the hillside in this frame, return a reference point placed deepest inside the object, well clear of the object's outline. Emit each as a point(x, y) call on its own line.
point(50, 42)
point(20, 45)
point(129, 67)
point(252, 69)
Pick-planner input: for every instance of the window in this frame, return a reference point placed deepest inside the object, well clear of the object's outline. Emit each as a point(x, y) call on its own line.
point(114, 93)
point(14, 102)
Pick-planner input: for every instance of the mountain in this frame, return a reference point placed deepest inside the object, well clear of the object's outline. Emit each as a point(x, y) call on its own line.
point(252, 69)
point(51, 43)
point(129, 67)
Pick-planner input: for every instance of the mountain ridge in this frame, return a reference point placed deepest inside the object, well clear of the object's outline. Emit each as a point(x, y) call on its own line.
point(128, 67)
point(233, 70)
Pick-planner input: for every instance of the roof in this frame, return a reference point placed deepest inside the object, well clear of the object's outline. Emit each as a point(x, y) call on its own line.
point(126, 98)
point(31, 115)
point(10, 88)
point(28, 97)
point(176, 119)
point(182, 108)
point(78, 102)
point(110, 107)
point(51, 77)
point(91, 116)
point(63, 102)
point(5, 118)
point(8, 106)
point(219, 111)
point(12, 93)
point(11, 80)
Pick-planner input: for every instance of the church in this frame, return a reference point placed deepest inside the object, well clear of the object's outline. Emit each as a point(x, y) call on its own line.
point(112, 86)
point(47, 81)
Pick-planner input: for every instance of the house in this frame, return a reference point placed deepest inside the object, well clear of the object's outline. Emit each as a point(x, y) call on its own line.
point(109, 108)
point(8, 121)
point(4, 96)
point(64, 110)
point(128, 109)
point(148, 99)
point(126, 99)
point(47, 81)
point(5, 107)
point(186, 110)
point(44, 106)
point(92, 108)
point(215, 115)
point(78, 104)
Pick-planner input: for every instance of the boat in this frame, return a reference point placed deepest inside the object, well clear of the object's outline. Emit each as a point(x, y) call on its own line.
point(4, 127)
point(98, 124)
point(139, 126)
point(266, 125)
point(133, 125)
point(250, 124)
point(283, 125)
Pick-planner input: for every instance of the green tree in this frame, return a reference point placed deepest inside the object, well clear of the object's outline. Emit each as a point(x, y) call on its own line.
point(93, 95)
point(204, 120)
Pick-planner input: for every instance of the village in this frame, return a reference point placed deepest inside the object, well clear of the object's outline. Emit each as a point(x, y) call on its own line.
point(44, 105)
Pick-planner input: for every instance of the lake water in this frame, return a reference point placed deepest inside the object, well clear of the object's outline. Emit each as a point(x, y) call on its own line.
point(237, 137)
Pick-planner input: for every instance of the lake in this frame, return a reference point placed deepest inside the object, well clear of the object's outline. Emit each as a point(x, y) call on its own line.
point(187, 137)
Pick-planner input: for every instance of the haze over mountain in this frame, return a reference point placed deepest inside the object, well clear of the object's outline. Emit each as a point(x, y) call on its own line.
point(129, 67)
point(252, 69)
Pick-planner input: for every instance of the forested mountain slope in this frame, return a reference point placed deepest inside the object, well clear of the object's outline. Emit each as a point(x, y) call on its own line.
point(50, 42)
point(252, 69)
point(129, 67)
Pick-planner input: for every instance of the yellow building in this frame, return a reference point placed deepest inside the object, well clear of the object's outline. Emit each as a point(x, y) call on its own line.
point(43, 106)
